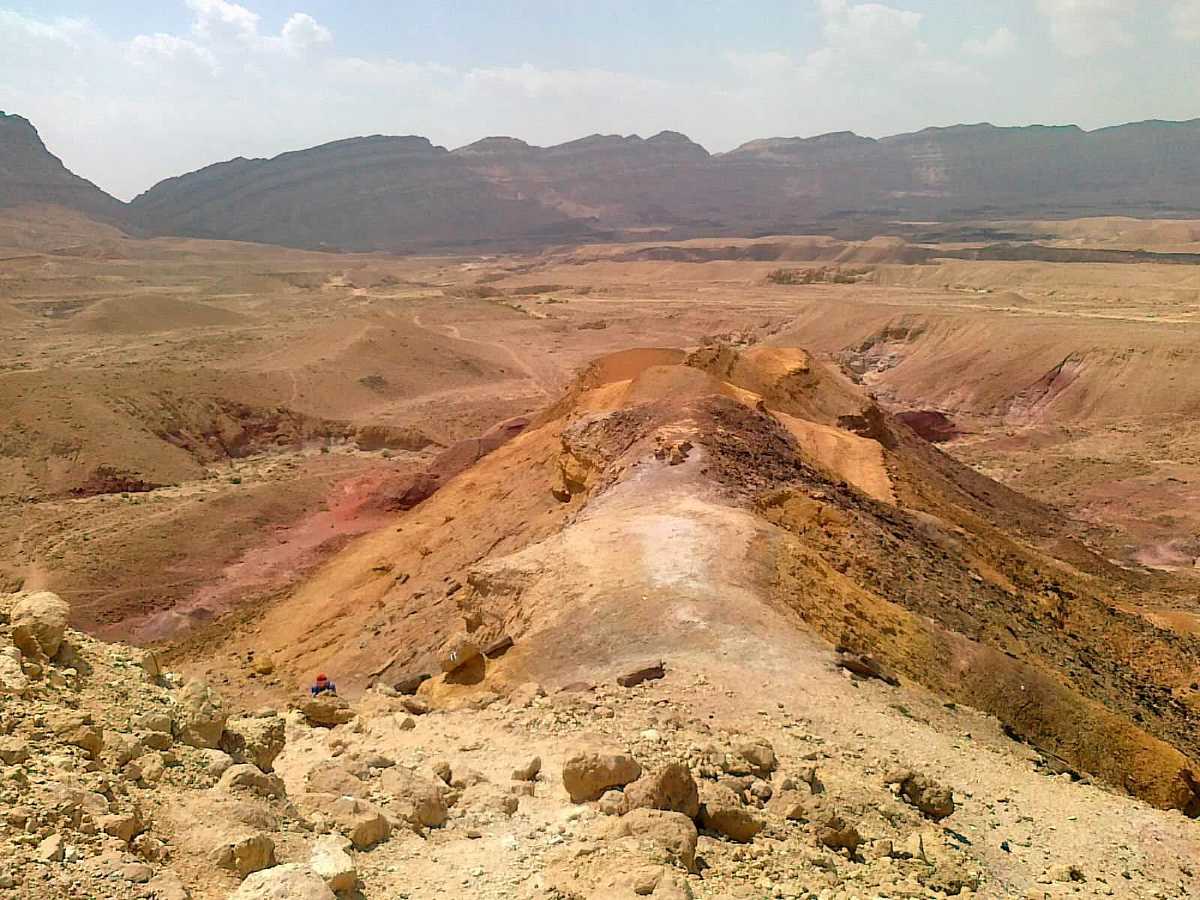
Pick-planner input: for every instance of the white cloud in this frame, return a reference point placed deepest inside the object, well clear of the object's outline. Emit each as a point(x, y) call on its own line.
point(61, 30)
point(997, 45)
point(219, 19)
point(870, 29)
point(149, 49)
point(1086, 27)
point(1185, 19)
point(302, 31)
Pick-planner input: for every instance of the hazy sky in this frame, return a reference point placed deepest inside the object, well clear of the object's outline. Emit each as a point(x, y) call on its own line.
point(128, 92)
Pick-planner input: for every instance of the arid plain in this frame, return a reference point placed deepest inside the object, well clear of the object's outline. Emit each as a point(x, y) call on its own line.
point(235, 453)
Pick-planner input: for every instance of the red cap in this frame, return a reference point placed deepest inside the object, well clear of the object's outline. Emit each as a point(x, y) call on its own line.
point(322, 677)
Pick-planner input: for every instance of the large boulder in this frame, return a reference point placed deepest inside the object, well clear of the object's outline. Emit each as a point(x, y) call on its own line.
point(670, 788)
point(13, 680)
point(326, 710)
point(673, 832)
point(254, 739)
point(200, 716)
point(77, 729)
point(417, 800)
point(457, 652)
point(287, 882)
point(721, 811)
point(362, 822)
point(586, 776)
point(39, 621)
point(243, 851)
point(330, 777)
point(758, 755)
point(250, 778)
point(333, 861)
point(834, 832)
point(932, 799)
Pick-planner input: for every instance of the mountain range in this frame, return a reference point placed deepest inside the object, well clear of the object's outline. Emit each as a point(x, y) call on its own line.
point(404, 192)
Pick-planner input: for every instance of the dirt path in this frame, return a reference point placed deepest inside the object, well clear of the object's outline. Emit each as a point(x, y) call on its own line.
point(544, 386)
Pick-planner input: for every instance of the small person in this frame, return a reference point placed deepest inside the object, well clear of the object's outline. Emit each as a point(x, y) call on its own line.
point(322, 685)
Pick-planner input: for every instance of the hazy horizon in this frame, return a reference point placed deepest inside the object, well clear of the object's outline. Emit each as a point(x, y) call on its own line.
point(136, 92)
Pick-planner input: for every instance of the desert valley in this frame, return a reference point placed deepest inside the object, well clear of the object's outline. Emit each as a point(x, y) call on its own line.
point(666, 533)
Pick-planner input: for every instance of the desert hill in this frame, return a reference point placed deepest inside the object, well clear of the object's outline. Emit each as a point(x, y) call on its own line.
point(709, 505)
point(30, 174)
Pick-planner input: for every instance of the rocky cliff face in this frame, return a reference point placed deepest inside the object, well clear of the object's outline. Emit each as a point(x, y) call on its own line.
point(397, 193)
point(29, 173)
point(391, 193)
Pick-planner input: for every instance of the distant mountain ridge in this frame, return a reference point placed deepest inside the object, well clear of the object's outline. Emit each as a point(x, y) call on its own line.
point(29, 173)
point(404, 192)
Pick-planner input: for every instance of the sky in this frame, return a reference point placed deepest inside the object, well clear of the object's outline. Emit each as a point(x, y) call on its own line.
point(129, 92)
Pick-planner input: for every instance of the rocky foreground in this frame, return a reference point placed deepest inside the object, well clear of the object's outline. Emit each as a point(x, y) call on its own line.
point(118, 780)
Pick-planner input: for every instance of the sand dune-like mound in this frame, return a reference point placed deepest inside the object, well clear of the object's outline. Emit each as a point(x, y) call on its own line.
point(710, 506)
point(1125, 233)
point(43, 227)
point(150, 313)
point(880, 250)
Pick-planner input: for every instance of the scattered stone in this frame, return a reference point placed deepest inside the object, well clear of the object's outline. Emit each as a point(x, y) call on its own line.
point(409, 684)
point(244, 852)
point(586, 776)
point(488, 800)
point(758, 756)
point(650, 671)
point(136, 873)
point(933, 800)
point(287, 882)
point(790, 805)
point(148, 768)
point(523, 696)
point(670, 788)
point(149, 662)
point(13, 751)
point(836, 833)
point(721, 811)
point(457, 652)
point(251, 778)
point(331, 777)
point(332, 860)
point(416, 800)
point(123, 826)
point(51, 849)
point(216, 762)
point(611, 803)
point(77, 730)
point(362, 822)
point(199, 716)
point(326, 710)
point(415, 706)
point(529, 770)
point(39, 621)
point(13, 680)
point(673, 832)
point(167, 886)
point(254, 739)
point(866, 666)
point(441, 769)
